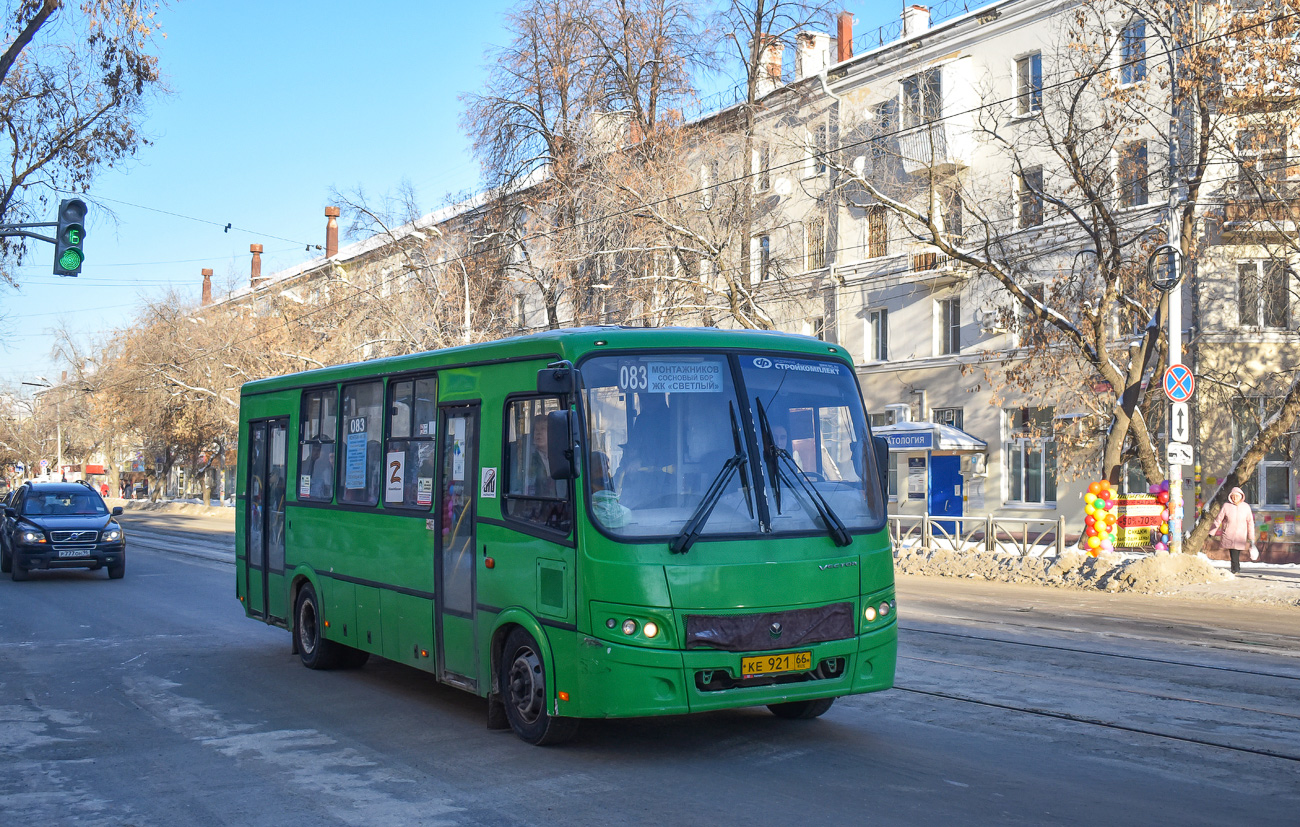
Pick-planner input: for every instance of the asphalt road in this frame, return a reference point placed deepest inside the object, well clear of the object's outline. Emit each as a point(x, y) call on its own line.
point(153, 701)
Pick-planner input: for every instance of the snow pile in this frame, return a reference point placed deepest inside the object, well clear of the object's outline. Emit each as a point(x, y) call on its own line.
point(1108, 571)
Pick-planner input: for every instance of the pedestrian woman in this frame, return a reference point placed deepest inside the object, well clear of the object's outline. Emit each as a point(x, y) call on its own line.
point(1235, 527)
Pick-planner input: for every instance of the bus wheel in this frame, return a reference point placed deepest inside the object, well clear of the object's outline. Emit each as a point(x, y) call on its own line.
point(315, 651)
point(801, 710)
point(523, 691)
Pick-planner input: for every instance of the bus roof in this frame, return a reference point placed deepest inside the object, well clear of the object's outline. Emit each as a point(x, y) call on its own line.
point(566, 343)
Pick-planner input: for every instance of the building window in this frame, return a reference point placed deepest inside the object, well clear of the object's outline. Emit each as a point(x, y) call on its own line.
point(316, 444)
point(763, 166)
point(949, 317)
point(816, 327)
point(360, 470)
point(883, 115)
point(815, 241)
point(1133, 174)
point(877, 231)
point(820, 146)
point(948, 416)
point(1030, 456)
point(1262, 296)
point(922, 95)
point(1031, 197)
point(1029, 84)
point(708, 183)
point(1133, 52)
point(952, 209)
point(530, 494)
point(764, 257)
point(1270, 485)
point(878, 335)
point(1263, 159)
point(521, 312)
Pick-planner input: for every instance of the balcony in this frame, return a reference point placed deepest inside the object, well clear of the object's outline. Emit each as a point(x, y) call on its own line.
point(935, 146)
point(1246, 211)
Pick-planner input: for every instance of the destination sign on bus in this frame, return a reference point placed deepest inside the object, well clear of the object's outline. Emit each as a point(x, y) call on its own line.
point(671, 377)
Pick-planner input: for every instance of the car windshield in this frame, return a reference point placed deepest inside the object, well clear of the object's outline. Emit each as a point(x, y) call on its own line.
point(70, 504)
point(660, 432)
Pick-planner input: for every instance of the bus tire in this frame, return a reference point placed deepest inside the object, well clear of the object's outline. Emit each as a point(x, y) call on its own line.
point(313, 649)
point(522, 674)
point(801, 710)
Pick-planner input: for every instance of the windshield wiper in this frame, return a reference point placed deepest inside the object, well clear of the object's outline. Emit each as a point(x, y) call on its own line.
point(691, 531)
point(776, 470)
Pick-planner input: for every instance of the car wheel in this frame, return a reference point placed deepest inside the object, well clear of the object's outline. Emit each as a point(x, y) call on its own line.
point(801, 710)
point(315, 651)
point(522, 675)
point(18, 570)
point(117, 570)
point(6, 562)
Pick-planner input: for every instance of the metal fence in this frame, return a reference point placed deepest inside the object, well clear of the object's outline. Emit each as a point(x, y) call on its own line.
point(1028, 538)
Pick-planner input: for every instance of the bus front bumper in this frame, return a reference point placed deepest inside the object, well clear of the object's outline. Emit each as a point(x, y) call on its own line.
point(616, 681)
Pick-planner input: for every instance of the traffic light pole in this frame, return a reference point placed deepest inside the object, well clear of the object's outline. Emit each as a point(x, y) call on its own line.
point(7, 230)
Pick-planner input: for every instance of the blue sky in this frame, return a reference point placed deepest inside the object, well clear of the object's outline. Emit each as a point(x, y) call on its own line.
point(271, 105)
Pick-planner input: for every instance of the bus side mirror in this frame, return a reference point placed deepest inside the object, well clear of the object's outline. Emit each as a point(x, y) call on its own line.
point(882, 462)
point(559, 445)
point(555, 380)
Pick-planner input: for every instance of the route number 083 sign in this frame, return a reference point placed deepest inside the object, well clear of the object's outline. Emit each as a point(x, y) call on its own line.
point(671, 377)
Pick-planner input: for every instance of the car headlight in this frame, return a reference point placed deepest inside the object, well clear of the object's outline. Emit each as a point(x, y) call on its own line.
point(30, 536)
point(112, 535)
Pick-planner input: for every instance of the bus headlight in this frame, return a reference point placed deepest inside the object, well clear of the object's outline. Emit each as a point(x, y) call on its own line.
point(650, 629)
point(629, 627)
point(884, 608)
point(869, 613)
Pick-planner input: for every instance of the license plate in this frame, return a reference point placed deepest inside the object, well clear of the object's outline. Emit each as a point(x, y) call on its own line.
point(771, 664)
point(73, 552)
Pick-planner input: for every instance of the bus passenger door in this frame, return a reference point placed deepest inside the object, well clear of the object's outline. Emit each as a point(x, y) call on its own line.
point(265, 514)
point(454, 572)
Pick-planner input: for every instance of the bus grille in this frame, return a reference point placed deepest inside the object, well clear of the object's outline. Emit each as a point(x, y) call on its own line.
point(767, 631)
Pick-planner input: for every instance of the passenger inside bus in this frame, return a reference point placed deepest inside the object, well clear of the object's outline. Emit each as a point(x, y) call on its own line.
point(320, 467)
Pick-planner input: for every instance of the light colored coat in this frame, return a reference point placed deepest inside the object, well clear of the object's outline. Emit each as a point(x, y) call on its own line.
point(1235, 525)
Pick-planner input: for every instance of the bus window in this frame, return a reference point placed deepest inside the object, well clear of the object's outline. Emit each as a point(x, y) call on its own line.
point(409, 459)
point(359, 471)
point(531, 495)
point(316, 445)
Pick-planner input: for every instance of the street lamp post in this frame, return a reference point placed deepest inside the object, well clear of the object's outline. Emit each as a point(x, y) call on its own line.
point(58, 422)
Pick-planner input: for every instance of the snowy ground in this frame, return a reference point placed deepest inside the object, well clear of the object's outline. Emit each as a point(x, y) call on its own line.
point(1162, 573)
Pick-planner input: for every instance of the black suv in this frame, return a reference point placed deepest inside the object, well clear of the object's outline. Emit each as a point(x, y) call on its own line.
point(60, 525)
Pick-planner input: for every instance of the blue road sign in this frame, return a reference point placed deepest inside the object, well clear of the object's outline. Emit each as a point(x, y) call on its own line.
point(1179, 383)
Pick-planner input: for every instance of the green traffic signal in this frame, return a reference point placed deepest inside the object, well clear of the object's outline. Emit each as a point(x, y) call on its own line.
point(68, 255)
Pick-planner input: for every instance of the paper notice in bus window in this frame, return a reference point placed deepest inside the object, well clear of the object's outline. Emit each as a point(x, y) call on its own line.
point(684, 377)
point(458, 449)
point(394, 476)
point(304, 485)
point(424, 490)
point(356, 476)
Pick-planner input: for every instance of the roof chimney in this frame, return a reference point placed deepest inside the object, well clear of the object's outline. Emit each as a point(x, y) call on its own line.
point(916, 19)
point(812, 54)
point(255, 277)
point(769, 67)
point(332, 232)
point(207, 287)
point(843, 37)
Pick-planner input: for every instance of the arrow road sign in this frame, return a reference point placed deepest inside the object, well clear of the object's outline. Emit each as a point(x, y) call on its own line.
point(1179, 383)
point(1180, 423)
point(1178, 453)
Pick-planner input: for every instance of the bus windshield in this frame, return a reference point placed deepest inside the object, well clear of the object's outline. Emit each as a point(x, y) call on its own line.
point(661, 429)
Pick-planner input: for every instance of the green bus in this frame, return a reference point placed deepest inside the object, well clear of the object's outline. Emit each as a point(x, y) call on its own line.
point(584, 523)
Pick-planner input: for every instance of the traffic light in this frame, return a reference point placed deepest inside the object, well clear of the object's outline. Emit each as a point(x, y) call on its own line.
point(68, 239)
